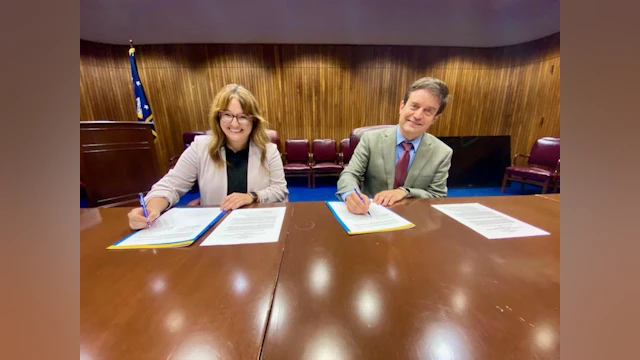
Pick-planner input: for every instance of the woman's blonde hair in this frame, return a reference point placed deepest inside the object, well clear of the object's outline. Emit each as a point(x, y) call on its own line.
point(249, 107)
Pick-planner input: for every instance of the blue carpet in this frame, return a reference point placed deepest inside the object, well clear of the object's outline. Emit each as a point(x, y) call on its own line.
point(326, 187)
point(191, 195)
point(514, 189)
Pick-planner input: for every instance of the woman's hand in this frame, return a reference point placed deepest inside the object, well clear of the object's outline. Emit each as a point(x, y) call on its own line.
point(137, 220)
point(235, 200)
point(155, 207)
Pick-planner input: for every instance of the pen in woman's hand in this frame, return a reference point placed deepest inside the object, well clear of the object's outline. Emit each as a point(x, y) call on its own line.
point(144, 207)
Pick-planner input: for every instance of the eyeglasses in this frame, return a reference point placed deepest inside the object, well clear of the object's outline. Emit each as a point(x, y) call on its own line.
point(227, 117)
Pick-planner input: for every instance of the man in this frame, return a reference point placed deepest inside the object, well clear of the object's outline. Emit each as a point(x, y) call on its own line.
point(403, 161)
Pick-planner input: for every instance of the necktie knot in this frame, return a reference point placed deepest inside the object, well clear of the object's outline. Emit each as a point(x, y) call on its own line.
point(406, 145)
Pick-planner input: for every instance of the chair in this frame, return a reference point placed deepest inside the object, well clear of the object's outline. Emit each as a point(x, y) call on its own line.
point(297, 159)
point(324, 159)
point(345, 152)
point(556, 182)
point(273, 137)
point(356, 134)
point(187, 139)
point(542, 167)
point(189, 136)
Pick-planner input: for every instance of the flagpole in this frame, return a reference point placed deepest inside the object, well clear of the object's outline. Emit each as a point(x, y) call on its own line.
point(143, 110)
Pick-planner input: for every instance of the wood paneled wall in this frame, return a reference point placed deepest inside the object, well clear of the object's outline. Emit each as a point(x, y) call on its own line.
point(318, 91)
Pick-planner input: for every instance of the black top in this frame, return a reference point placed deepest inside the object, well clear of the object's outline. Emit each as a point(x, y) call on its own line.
point(237, 163)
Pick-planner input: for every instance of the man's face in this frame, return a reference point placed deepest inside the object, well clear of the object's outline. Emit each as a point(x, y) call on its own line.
point(418, 113)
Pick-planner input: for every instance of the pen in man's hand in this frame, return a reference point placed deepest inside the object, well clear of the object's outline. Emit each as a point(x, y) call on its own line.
point(361, 199)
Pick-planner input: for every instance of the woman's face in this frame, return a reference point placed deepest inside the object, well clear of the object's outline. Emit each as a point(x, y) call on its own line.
point(235, 124)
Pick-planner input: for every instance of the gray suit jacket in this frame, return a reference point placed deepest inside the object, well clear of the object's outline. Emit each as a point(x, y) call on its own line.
point(373, 165)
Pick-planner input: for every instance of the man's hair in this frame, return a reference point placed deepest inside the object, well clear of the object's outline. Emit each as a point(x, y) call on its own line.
point(434, 86)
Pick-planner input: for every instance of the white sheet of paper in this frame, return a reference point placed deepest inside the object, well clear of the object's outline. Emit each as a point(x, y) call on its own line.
point(381, 219)
point(175, 225)
point(489, 223)
point(248, 226)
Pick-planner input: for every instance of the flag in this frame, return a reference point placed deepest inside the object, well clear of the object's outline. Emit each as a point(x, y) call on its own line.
point(143, 110)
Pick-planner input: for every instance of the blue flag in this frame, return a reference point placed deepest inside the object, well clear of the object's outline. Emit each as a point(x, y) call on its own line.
point(143, 110)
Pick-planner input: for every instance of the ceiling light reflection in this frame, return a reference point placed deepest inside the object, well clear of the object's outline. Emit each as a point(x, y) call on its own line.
point(158, 285)
point(175, 321)
point(369, 304)
point(240, 283)
point(327, 344)
point(459, 301)
point(443, 341)
point(545, 337)
point(392, 272)
point(320, 276)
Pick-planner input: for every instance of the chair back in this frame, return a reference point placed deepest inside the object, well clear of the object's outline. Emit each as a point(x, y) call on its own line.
point(545, 152)
point(324, 150)
point(345, 150)
point(356, 134)
point(273, 137)
point(297, 150)
point(188, 136)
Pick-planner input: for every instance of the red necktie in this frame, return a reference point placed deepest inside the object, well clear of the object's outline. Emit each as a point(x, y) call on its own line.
point(403, 165)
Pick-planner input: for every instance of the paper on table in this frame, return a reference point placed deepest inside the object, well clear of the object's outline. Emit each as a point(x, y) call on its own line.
point(489, 223)
point(248, 226)
point(381, 219)
point(176, 227)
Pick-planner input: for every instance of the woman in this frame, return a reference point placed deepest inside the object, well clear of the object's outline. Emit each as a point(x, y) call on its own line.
point(235, 166)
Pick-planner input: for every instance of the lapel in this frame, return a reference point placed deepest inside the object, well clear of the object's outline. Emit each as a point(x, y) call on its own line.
point(253, 166)
point(223, 173)
point(389, 154)
point(420, 160)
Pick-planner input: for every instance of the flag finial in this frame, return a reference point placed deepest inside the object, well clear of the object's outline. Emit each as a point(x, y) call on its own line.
point(130, 43)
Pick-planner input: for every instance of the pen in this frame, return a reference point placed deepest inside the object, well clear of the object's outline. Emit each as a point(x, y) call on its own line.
point(144, 207)
point(360, 197)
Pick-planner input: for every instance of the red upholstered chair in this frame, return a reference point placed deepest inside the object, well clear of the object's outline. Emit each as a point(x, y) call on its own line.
point(354, 137)
point(345, 152)
point(189, 136)
point(556, 181)
point(324, 161)
point(273, 137)
point(297, 159)
point(187, 139)
point(542, 168)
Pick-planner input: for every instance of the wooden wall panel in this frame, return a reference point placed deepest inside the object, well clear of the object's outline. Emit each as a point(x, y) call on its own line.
point(325, 91)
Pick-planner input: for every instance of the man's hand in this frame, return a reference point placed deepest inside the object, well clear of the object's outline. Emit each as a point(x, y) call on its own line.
point(389, 197)
point(357, 206)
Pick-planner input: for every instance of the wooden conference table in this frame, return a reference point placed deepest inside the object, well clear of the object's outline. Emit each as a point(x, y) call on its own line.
point(437, 291)
point(554, 197)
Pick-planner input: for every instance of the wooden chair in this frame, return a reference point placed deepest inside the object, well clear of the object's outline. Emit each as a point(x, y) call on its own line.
point(542, 167)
